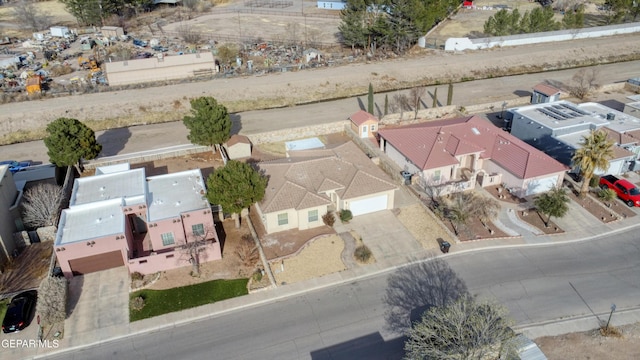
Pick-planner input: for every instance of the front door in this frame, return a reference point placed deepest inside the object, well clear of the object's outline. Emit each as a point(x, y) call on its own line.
point(365, 131)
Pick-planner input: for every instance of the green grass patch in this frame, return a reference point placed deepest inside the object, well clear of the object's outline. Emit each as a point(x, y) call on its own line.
point(158, 302)
point(3, 307)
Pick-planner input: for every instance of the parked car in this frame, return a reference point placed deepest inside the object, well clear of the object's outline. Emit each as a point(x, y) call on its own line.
point(625, 189)
point(19, 312)
point(15, 166)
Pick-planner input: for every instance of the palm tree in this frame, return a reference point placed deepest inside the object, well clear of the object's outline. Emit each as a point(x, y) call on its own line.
point(594, 154)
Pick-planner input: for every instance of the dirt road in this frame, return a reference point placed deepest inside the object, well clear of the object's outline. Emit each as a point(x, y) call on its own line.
point(298, 87)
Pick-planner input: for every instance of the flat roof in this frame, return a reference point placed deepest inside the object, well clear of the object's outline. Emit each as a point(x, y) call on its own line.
point(90, 221)
point(564, 114)
point(172, 194)
point(129, 185)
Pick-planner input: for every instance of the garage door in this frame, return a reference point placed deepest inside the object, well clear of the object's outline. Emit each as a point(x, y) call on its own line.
point(95, 263)
point(365, 206)
point(541, 185)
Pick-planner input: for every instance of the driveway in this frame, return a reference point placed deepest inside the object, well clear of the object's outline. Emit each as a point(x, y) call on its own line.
point(384, 234)
point(98, 302)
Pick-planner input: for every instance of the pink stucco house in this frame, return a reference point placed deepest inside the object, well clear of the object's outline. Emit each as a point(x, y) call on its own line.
point(121, 217)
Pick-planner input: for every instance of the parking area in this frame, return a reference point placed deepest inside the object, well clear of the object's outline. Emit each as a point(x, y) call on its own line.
point(98, 302)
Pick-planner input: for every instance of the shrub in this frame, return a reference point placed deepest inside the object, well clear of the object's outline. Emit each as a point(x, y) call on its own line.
point(607, 194)
point(345, 216)
point(137, 303)
point(595, 181)
point(328, 218)
point(136, 276)
point(362, 253)
point(257, 276)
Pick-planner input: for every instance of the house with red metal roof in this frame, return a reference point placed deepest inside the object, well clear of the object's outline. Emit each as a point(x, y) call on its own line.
point(456, 154)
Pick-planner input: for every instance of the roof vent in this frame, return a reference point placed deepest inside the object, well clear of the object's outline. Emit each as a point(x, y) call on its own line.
point(611, 116)
point(475, 131)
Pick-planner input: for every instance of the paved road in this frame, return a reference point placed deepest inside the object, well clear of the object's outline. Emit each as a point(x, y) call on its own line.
point(348, 321)
point(139, 138)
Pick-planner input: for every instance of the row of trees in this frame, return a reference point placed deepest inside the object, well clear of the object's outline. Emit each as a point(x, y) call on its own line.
point(94, 12)
point(390, 25)
point(540, 19)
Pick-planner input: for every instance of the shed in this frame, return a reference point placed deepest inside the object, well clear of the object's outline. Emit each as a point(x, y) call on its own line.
point(311, 54)
point(545, 93)
point(238, 147)
point(331, 5)
point(364, 124)
point(112, 31)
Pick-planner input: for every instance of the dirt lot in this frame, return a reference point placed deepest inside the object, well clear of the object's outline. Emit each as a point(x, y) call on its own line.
point(590, 345)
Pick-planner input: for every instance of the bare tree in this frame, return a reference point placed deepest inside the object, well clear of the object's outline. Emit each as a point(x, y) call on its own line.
point(41, 205)
point(400, 103)
point(416, 94)
point(464, 329)
point(584, 82)
point(247, 251)
point(30, 17)
point(52, 300)
point(193, 248)
point(188, 34)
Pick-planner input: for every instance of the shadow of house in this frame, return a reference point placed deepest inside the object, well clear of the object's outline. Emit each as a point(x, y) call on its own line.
point(414, 289)
point(371, 346)
point(74, 292)
point(113, 141)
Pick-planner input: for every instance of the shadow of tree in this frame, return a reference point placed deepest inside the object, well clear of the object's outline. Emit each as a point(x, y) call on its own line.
point(113, 141)
point(236, 123)
point(415, 288)
point(361, 105)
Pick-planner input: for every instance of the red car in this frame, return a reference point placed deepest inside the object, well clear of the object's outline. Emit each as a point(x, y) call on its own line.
point(625, 189)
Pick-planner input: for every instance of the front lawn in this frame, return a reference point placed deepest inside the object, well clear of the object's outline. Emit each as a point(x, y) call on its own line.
point(158, 302)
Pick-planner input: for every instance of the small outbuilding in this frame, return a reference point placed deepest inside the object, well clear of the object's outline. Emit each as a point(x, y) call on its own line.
point(364, 124)
point(545, 93)
point(238, 147)
point(112, 31)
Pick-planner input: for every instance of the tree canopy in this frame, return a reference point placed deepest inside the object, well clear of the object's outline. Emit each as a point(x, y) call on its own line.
point(464, 329)
point(595, 151)
point(209, 123)
point(95, 12)
point(505, 22)
point(235, 186)
point(553, 203)
point(390, 24)
point(69, 141)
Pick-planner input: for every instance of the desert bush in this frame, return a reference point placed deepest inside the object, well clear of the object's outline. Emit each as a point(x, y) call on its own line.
point(136, 276)
point(328, 218)
point(189, 35)
point(362, 253)
point(607, 194)
point(345, 216)
point(257, 276)
point(247, 251)
point(137, 303)
point(595, 181)
point(59, 70)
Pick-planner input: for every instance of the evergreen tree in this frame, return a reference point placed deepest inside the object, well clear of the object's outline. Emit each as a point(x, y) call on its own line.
point(370, 104)
point(235, 186)
point(386, 104)
point(450, 94)
point(435, 98)
point(352, 27)
point(209, 123)
point(69, 142)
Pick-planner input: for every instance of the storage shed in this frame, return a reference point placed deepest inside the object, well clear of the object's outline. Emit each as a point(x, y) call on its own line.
point(238, 147)
point(112, 31)
point(364, 124)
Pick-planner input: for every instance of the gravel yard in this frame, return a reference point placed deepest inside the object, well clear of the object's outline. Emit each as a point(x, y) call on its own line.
point(320, 257)
point(422, 226)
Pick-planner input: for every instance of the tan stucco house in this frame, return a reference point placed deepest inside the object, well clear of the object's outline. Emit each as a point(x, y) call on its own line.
point(308, 184)
point(364, 124)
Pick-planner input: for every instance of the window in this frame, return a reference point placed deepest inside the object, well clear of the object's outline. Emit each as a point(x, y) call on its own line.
point(436, 175)
point(167, 239)
point(198, 229)
point(373, 128)
point(283, 219)
point(313, 215)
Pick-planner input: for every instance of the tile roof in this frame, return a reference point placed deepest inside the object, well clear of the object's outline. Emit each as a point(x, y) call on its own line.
point(301, 182)
point(361, 117)
point(546, 89)
point(437, 143)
